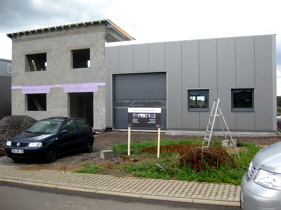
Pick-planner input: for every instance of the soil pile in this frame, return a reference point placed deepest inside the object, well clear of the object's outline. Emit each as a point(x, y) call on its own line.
point(13, 125)
point(196, 157)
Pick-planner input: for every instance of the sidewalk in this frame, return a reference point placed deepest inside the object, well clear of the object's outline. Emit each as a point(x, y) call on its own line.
point(158, 189)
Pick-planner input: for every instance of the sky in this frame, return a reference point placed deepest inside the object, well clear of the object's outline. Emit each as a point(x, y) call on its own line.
point(149, 20)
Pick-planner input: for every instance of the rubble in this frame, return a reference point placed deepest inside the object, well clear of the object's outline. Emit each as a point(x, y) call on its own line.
point(196, 157)
point(13, 125)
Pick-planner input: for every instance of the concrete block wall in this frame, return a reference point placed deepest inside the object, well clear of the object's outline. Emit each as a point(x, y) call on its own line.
point(59, 72)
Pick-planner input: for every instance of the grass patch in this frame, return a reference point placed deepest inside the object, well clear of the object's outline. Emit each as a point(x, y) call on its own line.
point(89, 168)
point(170, 164)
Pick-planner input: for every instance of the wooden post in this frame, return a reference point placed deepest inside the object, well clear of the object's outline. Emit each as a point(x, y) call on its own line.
point(158, 148)
point(129, 141)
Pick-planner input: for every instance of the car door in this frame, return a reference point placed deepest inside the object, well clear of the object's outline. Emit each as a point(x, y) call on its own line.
point(84, 131)
point(67, 141)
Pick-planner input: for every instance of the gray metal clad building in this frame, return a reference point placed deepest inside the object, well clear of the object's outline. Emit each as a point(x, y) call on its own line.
point(5, 87)
point(187, 76)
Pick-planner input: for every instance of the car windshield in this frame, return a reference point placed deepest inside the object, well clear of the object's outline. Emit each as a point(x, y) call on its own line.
point(44, 126)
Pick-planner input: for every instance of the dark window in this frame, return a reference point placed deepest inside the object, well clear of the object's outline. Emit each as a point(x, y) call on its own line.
point(68, 125)
point(81, 58)
point(36, 102)
point(82, 124)
point(198, 100)
point(36, 62)
point(242, 99)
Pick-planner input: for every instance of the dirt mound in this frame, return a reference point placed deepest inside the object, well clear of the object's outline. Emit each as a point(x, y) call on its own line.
point(196, 157)
point(13, 125)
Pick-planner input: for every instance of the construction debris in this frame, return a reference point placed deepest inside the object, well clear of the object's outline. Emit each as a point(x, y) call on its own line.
point(196, 157)
point(13, 125)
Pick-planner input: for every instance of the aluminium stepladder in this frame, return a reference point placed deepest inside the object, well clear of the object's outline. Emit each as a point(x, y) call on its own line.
point(216, 112)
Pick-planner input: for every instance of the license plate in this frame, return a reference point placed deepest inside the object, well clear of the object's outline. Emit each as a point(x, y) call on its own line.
point(17, 151)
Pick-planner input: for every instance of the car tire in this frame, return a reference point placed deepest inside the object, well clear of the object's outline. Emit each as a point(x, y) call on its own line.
point(50, 155)
point(89, 146)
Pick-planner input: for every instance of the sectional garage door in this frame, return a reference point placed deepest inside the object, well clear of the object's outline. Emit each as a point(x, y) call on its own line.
point(129, 88)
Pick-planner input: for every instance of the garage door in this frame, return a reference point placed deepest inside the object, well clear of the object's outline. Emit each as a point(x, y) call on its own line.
point(129, 88)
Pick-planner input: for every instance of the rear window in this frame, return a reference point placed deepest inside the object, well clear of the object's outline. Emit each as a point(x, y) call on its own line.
point(82, 124)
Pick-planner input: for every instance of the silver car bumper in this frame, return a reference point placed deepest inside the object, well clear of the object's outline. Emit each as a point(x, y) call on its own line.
point(256, 197)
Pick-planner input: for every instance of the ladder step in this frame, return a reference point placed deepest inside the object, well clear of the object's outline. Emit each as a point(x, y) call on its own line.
point(206, 139)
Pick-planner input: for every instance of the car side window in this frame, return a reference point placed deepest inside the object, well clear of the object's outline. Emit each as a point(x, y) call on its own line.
point(82, 124)
point(68, 125)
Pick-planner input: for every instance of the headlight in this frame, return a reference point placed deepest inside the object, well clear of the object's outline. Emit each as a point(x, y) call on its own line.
point(35, 144)
point(268, 179)
point(8, 143)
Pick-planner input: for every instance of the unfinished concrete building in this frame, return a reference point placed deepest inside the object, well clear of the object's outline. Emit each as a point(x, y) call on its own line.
point(60, 71)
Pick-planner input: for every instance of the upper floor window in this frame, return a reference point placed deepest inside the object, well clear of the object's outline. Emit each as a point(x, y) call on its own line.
point(36, 62)
point(242, 99)
point(198, 100)
point(81, 58)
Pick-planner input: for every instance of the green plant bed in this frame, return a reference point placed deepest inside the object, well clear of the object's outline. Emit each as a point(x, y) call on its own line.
point(171, 169)
point(171, 166)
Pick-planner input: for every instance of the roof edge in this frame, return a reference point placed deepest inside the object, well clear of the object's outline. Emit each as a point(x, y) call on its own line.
point(106, 22)
point(120, 30)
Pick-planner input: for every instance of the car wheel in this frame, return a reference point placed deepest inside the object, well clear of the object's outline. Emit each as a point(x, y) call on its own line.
point(89, 146)
point(50, 155)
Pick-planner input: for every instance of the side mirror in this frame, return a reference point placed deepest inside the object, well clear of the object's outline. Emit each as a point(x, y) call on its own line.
point(63, 132)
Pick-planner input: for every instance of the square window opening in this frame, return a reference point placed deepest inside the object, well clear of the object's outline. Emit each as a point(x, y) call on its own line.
point(36, 102)
point(81, 58)
point(198, 100)
point(242, 99)
point(36, 62)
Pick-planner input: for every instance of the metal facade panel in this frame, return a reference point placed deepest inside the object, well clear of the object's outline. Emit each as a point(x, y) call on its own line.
point(208, 73)
point(245, 121)
point(112, 60)
point(190, 64)
point(156, 57)
point(126, 61)
point(208, 64)
point(141, 58)
point(226, 78)
point(173, 66)
point(111, 67)
point(245, 62)
point(264, 92)
point(190, 80)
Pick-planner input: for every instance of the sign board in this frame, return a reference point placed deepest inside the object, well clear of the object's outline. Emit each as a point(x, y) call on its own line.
point(144, 115)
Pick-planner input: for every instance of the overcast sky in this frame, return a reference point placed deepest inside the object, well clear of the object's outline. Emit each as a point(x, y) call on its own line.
point(149, 20)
